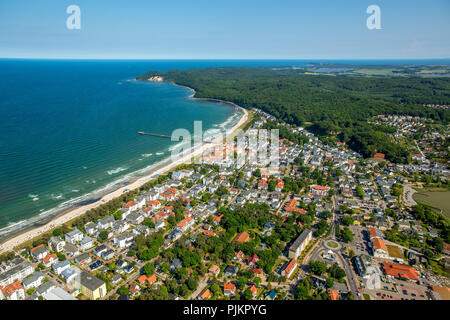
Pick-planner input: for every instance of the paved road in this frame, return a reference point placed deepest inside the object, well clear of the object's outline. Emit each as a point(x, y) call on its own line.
point(350, 275)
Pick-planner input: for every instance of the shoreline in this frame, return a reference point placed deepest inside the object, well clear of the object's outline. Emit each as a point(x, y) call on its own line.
point(14, 240)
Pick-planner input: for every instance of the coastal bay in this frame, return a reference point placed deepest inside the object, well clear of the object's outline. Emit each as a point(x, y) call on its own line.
point(51, 174)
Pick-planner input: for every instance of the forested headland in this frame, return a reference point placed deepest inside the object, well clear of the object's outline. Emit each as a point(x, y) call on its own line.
point(332, 107)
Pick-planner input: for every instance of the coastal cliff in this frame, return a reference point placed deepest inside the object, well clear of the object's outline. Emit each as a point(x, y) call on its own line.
point(156, 79)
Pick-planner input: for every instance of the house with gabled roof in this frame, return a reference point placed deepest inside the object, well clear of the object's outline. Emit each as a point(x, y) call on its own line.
point(242, 237)
point(49, 260)
point(204, 295)
point(214, 270)
point(229, 289)
point(39, 252)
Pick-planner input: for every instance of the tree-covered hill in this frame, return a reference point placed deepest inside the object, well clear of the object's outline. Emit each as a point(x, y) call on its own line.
point(334, 104)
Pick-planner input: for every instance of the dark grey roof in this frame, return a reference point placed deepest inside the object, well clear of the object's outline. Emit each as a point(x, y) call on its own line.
point(89, 281)
point(45, 287)
point(300, 239)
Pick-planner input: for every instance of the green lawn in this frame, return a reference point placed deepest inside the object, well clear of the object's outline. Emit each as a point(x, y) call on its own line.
point(332, 244)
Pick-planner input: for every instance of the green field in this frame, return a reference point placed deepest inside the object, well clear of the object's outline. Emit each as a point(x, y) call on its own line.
point(438, 199)
point(377, 72)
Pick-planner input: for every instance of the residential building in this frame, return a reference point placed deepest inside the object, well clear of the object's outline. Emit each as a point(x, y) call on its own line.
point(229, 289)
point(300, 243)
point(74, 236)
point(289, 268)
point(56, 244)
point(91, 286)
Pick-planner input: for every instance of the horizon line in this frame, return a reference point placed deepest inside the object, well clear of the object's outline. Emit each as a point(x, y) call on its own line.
point(230, 59)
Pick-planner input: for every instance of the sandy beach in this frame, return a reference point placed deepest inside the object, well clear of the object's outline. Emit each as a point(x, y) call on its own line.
point(17, 240)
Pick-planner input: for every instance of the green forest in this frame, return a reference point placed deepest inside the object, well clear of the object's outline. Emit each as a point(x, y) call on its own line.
point(337, 106)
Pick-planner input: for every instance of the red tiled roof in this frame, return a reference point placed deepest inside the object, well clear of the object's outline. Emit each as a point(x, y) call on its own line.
point(206, 294)
point(400, 271)
point(130, 204)
point(50, 256)
point(333, 294)
point(379, 244)
point(253, 289)
point(291, 266)
point(229, 286)
point(11, 288)
point(257, 270)
point(320, 188)
point(209, 233)
point(242, 237)
point(372, 232)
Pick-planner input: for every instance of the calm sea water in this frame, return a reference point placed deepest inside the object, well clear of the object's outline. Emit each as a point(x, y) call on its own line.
point(68, 129)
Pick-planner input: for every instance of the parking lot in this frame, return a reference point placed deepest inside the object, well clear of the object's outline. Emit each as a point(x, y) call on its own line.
point(399, 290)
point(411, 291)
point(359, 244)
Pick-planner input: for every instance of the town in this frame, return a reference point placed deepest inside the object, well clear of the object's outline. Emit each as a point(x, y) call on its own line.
point(326, 224)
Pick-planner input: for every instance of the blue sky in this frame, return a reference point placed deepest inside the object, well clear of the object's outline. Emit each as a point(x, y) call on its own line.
point(225, 29)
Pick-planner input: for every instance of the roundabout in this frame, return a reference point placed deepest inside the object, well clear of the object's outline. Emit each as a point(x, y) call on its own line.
point(332, 245)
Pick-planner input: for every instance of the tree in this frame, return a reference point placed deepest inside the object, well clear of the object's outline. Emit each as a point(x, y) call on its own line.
point(318, 267)
point(57, 232)
point(103, 236)
point(336, 272)
point(272, 185)
point(321, 228)
point(184, 290)
point(248, 295)
point(148, 222)
point(192, 283)
point(149, 269)
point(348, 220)
point(347, 235)
point(360, 191)
point(164, 292)
point(329, 283)
point(242, 281)
point(123, 290)
point(118, 215)
point(61, 257)
point(215, 289)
